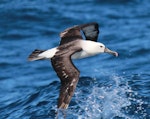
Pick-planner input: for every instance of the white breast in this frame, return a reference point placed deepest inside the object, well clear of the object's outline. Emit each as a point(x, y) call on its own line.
point(89, 48)
point(79, 55)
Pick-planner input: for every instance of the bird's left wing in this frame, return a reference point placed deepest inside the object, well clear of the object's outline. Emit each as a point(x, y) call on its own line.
point(90, 31)
point(70, 34)
point(67, 72)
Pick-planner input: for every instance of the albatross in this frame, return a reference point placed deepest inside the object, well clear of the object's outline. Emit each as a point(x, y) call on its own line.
point(72, 46)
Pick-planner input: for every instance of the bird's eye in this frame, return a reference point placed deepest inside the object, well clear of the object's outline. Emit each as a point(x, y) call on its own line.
point(101, 46)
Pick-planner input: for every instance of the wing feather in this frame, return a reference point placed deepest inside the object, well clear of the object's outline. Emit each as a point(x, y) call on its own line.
point(67, 72)
point(70, 34)
point(90, 31)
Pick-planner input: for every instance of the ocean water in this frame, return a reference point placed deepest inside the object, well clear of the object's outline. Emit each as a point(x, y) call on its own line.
point(109, 87)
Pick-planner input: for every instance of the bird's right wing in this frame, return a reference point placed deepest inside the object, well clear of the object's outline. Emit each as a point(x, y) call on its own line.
point(67, 72)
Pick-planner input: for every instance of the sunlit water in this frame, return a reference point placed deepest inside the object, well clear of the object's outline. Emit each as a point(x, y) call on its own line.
point(109, 87)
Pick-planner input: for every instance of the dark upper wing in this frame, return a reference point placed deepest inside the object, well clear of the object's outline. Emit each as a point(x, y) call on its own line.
point(70, 34)
point(90, 31)
point(67, 72)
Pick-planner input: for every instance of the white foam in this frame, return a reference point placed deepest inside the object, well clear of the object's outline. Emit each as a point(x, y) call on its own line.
point(109, 100)
point(104, 102)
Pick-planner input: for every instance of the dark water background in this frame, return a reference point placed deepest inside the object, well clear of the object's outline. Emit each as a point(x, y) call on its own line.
point(109, 87)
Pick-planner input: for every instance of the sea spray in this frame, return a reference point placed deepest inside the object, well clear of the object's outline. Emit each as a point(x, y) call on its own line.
point(107, 97)
point(97, 101)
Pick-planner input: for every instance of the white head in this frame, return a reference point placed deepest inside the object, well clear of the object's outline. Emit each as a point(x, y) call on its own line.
point(98, 47)
point(93, 48)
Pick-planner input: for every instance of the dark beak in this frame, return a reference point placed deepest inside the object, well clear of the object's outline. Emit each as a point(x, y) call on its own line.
point(111, 52)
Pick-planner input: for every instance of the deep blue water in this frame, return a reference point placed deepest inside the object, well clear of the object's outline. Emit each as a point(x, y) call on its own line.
point(109, 87)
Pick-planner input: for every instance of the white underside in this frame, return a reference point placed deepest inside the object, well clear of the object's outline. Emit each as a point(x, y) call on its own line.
point(48, 54)
point(80, 55)
point(90, 48)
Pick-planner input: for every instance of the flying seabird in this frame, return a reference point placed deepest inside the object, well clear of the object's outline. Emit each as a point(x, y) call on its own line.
point(72, 46)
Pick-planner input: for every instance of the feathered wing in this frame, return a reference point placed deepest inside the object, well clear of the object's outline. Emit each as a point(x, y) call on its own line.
point(90, 30)
point(67, 72)
point(70, 34)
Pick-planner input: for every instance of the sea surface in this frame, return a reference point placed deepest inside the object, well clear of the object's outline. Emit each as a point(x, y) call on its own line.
point(109, 87)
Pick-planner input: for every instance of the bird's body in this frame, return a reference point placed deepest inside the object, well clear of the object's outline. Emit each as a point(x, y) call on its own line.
point(88, 49)
point(72, 46)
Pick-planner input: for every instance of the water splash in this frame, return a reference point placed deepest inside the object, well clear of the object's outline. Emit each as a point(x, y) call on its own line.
point(110, 98)
point(95, 100)
point(104, 101)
